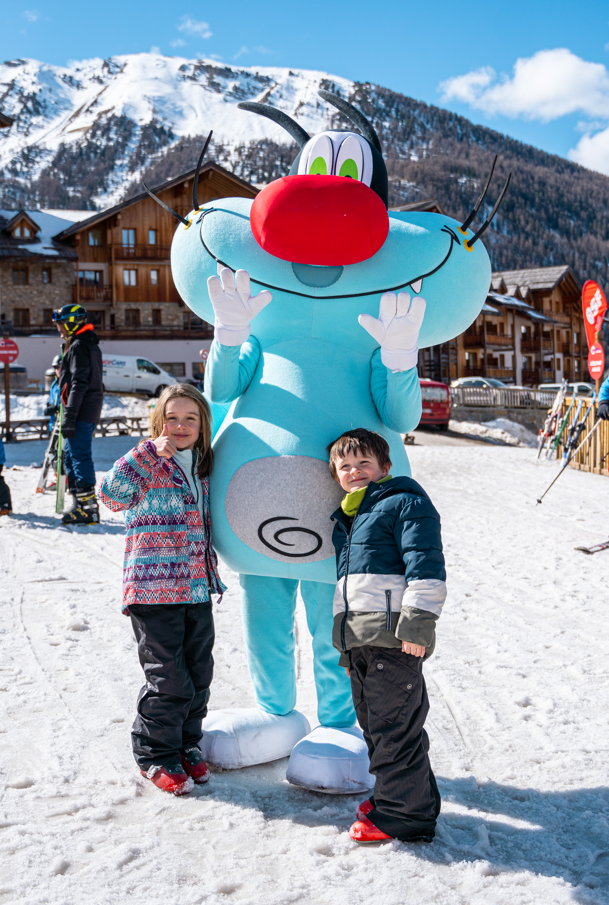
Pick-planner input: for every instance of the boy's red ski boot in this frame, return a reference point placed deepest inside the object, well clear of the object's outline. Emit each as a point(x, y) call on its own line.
point(170, 779)
point(194, 765)
point(364, 809)
point(365, 831)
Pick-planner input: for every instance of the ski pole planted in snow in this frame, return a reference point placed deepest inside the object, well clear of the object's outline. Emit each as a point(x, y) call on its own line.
point(588, 435)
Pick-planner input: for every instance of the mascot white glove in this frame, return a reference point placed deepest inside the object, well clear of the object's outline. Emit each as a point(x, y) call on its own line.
point(397, 329)
point(234, 305)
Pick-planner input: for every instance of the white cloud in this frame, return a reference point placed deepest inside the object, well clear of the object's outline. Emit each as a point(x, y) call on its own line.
point(178, 42)
point(155, 49)
point(592, 151)
point(193, 27)
point(241, 52)
point(546, 86)
point(32, 15)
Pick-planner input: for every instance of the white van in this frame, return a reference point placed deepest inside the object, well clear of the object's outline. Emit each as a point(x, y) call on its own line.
point(579, 386)
point(130, 374)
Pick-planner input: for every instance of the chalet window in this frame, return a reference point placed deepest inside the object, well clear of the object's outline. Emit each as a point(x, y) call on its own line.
point(152, 237)
point(47, 316)
point(191, 320)
point(502, 361)
point(558, 365)
point(157, 318)
point(128, 238)
point(154, 278)
point(575, 338)
point(176, 368)
point(95, 237)
point(22, 232)
point(47, 275)
point(130, 277)
point(20, 276)
point(97, 318)
point(90, 277)
point(132, 317)
point(22, 317)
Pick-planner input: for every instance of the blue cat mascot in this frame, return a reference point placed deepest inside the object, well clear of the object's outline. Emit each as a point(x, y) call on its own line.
point(291, 368)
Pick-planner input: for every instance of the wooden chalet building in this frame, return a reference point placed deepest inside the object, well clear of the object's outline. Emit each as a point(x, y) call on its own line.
point(124, 275)
point(530, 331)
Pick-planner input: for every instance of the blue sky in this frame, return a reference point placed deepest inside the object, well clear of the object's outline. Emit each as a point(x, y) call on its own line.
point(454, 54)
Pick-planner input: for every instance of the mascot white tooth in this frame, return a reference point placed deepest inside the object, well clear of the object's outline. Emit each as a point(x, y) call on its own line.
point(311, 291)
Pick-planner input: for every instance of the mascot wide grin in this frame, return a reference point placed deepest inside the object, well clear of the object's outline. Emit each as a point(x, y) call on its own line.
point(320, 299)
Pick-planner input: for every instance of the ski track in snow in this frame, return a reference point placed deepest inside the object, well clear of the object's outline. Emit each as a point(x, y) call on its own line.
point(518, 726)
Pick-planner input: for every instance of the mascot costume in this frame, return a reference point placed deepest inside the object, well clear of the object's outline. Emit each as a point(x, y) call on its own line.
point(293, 283)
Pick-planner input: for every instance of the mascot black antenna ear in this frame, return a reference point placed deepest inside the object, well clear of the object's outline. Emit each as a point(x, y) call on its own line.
point(278, 116)
point(467, 222)
point(356, 117)
point(166, 206)
point(195, 184)
point(470, 242)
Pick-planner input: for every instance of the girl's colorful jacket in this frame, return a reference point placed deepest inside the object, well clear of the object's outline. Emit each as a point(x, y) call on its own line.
point(169, 556)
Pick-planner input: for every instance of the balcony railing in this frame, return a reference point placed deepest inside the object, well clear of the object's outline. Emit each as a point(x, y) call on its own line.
point(505, 397)
point(559, 317)
point(92, 293)
point(476, 340)
point(528, 346)
point(141, 252)
point(500, 372)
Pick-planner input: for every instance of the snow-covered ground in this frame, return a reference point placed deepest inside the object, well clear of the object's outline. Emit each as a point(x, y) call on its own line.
point(518, 724)
point(501, 430)
point(32, 406)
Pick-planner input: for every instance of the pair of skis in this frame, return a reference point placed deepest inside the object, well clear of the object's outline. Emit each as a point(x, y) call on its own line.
point(54, 459)
point(549, 429)
point(575, 450)
point(596, 548)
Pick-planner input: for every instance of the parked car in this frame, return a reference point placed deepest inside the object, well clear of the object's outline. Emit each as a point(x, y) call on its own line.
point(435, 397)
point(579, 386)
point(130, 374)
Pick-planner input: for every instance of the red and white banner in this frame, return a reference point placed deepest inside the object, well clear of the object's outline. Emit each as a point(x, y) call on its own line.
point(594, 304)
point(596, 361)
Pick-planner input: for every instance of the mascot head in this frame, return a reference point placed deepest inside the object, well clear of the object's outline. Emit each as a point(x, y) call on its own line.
point(323, 234)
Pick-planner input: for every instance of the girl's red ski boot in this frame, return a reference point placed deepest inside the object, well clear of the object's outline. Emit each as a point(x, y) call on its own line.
point(170, 779)
point(364, 809)
point(194, 765)
point(365, 831)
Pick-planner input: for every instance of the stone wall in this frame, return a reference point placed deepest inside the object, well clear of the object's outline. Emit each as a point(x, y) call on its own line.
point(36, 295)
point(531, 418)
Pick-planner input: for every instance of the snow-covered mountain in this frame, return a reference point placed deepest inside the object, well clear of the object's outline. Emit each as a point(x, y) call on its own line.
point(152, 96)
point(85, 135)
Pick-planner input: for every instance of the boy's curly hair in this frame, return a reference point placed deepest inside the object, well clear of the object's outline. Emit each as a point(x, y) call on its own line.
point(360, 440)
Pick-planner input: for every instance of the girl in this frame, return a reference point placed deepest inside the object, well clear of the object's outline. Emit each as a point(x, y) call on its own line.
point(170, 570)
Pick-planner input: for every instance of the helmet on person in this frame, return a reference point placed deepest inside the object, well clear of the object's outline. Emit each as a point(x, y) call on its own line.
point(56, 361)
point(71, 316)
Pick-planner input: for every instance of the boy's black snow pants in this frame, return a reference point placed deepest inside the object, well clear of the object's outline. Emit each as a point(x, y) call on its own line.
point(174, 643)
point(391, 703)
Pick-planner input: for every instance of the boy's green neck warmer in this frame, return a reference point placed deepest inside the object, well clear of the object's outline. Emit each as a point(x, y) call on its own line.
point(351, 502)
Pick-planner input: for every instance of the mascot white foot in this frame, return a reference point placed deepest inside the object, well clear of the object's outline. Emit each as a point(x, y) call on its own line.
point(248, 736)
point(331, 760)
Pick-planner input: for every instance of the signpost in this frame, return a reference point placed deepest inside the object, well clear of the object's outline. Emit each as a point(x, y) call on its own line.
point(9, 351)
point(594, 305)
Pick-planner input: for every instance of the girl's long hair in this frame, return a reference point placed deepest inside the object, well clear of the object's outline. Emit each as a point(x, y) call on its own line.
point(203, 443)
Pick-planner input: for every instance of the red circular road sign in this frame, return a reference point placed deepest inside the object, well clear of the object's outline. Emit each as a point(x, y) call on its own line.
point(9, 351)
point(204, 353)
point(596, 361)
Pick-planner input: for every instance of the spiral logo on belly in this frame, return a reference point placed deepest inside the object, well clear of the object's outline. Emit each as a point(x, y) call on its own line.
point(290, 529)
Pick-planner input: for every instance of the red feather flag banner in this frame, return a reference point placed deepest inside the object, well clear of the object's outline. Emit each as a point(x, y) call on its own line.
point(594, 306)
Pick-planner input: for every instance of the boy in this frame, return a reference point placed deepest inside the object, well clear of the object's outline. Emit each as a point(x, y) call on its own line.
point(391, 588)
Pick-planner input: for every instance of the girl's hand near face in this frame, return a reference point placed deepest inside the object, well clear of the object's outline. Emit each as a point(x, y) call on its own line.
point(164, 444)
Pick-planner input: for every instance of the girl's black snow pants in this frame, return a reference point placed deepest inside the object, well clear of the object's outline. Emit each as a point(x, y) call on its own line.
point(174, 644)
point(391, 703)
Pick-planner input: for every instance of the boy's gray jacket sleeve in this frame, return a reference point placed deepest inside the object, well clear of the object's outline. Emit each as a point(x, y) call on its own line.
point(419, 540)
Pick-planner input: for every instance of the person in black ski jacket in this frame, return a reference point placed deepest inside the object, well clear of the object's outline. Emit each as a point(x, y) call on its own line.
point(390, 592)
point(82, 394)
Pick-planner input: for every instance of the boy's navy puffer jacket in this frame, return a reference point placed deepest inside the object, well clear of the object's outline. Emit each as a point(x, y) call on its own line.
point(390, 565)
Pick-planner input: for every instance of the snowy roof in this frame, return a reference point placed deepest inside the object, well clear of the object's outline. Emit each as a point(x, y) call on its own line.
point(73, 216)
point(536, 277)
point(42, 244)
point(524, 309)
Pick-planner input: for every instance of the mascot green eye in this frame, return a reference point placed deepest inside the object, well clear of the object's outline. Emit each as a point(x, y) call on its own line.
point(350, 159)
point(319, 167)
point(320, 157)
point(348, 168)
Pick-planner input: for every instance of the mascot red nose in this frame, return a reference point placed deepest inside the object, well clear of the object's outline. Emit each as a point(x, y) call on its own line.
point(324, 220)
